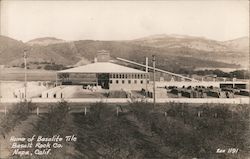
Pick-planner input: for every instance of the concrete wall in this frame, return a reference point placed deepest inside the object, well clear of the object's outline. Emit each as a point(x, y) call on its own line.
point(7, 88)
point(51, 93)
point(127, 85)
point(67, 92)
point(32, 91)
point(15, 89)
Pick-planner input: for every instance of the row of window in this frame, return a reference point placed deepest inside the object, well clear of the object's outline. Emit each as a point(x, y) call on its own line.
point(123, 81)
point(133, 76)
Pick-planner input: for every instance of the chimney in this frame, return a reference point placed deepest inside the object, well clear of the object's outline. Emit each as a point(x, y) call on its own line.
point(103, 56)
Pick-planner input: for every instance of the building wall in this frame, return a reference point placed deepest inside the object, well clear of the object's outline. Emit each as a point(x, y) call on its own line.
point(128, 81)
point(125, 85)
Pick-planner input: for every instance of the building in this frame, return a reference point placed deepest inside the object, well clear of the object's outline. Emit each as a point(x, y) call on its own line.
point(105, 74)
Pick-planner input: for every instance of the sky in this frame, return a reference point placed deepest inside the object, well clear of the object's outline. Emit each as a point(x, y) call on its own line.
point(124, 20)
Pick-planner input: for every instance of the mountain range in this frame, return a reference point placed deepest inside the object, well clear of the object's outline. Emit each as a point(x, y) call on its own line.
point(172, 51)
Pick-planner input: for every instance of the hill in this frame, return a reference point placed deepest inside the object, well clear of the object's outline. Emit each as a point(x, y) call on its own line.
point(173, 52)
point(181, 41)
point(233, 51)
point(45, 41)
point(165, 60)
point(10, 50)
point(239, 44)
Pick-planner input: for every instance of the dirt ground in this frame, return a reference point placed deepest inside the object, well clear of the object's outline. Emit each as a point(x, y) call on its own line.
point(17, 74)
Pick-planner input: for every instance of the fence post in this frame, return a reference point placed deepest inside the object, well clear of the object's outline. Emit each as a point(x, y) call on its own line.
point(5, 110)
point(215, 115)
point(85, 111)
point(199, 113)
point(37, 110)
point(117, 111)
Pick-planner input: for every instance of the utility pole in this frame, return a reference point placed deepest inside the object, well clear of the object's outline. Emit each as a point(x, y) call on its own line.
point(146, 95)
point(1, 82)
point(25, 74)
point(56, 79)
point(154, 78)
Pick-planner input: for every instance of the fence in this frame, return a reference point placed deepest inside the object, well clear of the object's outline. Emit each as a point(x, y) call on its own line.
point(245, 100)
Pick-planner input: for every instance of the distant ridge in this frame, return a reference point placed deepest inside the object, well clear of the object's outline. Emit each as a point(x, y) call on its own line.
point(162, 36)
point(193, 42)
point(239, 44)
point(172, 51)
point(44, 41)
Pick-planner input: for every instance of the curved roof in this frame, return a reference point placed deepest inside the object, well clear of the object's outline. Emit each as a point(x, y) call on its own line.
point(102, 67)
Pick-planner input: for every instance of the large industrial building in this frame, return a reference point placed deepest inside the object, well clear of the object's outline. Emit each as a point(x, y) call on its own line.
point(104, 78)
point(105, 74)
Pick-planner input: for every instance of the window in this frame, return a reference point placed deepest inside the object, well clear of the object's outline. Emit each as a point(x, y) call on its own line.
point(148, 81)
point(129, 81)
point(141, 81)
point(116, 76)
point(135, 81)
point(117, 81)
point(123, 81)
point(122, 75)
point(126, 76)
point(110, 81)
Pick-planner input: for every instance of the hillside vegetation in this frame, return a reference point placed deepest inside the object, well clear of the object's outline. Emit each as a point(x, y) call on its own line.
point(140, 131)
point(171, 51)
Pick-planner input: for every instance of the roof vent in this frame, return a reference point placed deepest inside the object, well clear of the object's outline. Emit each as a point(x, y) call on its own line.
point(103, 56)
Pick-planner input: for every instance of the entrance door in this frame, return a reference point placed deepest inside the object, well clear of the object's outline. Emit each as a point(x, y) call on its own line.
point(103, 80)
